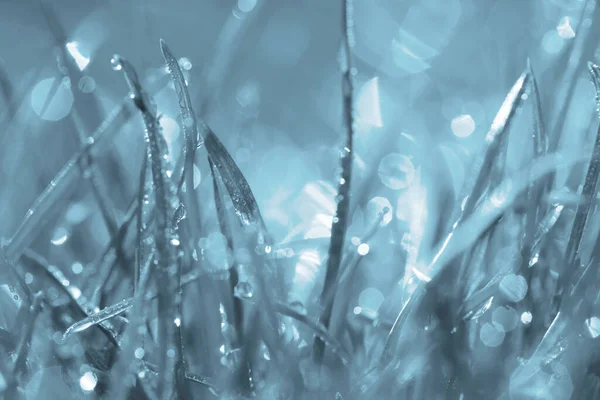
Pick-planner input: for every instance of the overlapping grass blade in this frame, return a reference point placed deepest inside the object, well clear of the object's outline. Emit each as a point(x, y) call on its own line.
point(340, 220)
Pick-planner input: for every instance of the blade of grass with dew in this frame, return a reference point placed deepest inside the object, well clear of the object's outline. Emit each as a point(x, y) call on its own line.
point(87, 112)
point(473, 187)
point(166, 239)
point(589, 191)
point(340, 220)
point(244, 202)
point(65, 180)
point(61, 282)
point(471, 229)
point(191, 138)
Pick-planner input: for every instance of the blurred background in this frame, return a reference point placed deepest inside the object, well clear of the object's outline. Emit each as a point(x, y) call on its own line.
point(265, 75)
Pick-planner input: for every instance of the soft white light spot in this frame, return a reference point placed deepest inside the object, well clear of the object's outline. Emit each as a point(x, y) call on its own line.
point(246, 5)
point(514, 287)
point(363, 249)
point(593, 326)
point(552, 43)
point(421, 275)
point(86, 84)
point(75, 292)
point(60, 236)
point(177, 322)
point(491, 335)
point(139, 353)
point(197, 176)
point(463, 126)
point(396, 171)
point(81, 60)
point(77, 268)
point(88, 381)
point(185, 63)
point(368, 105)
point(370, 299)
point(77, 213)
point(170, 129)
point(564, 28)
point(57, 106)
point(526, 317)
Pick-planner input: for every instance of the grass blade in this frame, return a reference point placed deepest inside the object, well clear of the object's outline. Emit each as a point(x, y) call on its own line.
point(340, 220)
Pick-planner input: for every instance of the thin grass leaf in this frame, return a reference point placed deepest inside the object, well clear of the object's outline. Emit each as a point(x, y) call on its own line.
point(99, 317)
point(243, 199)
point(340, 220)
point(589, 192)
point(476, 181)
point(63, 184)
point(471, 229)
point(166, 239)
point(60, 281)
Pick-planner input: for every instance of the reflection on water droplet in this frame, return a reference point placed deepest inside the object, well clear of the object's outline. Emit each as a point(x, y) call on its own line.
point(363, 249)
point(51, 101)
point(243, 290)
point(463, 126)
point(526, 317)
point(368, 105)
point(197, 176)
point(88, 381)
point(396, 171)
point(115, 62)
point(593, 326)
point(60, 236)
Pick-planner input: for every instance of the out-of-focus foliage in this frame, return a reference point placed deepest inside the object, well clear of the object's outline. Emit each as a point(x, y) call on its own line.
point(318, 199)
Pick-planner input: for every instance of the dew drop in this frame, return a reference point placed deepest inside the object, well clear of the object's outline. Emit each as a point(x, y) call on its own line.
point(139, 353)
point(59, 237)
point(363, 249)
point(115, 63)
point(526, 317)
point(243, 290)
point(593, 326)
point(88, 381)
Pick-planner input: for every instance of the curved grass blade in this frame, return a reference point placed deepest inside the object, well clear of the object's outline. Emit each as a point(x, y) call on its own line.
point(65, 180)
point(191, 138)
point(245, 205)
point(340, 220)
point(475, 184)
point(62, 282)
point(166, 239)
point(589, 192)
point(471, 229)
point(99, 317)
